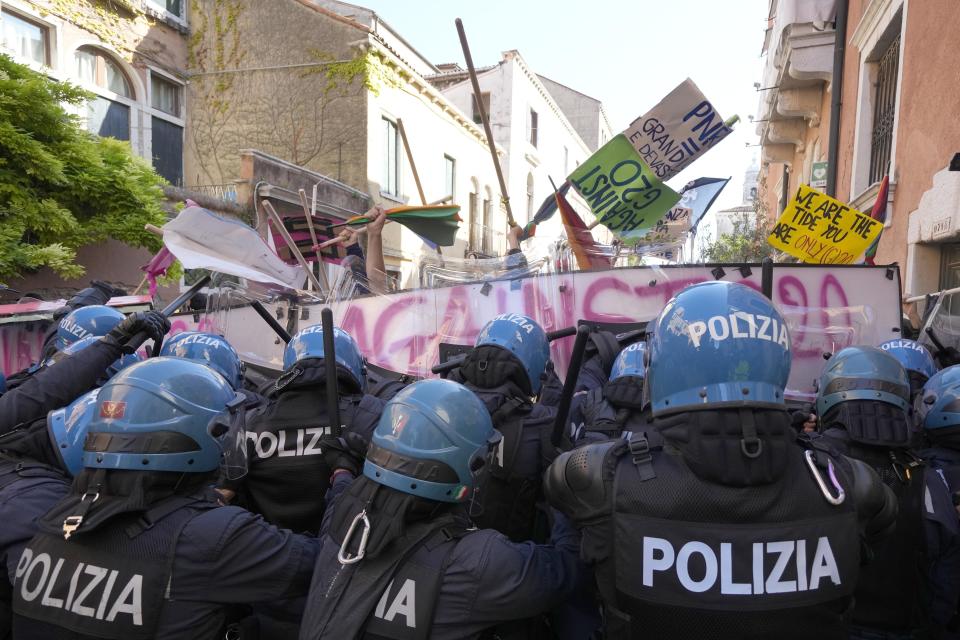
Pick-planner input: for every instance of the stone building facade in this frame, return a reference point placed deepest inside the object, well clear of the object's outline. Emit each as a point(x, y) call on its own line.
point(898, 89)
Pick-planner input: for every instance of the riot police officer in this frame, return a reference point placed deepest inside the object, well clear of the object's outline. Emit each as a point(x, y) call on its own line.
point(729, 529)
point(66, 379)
point(140, 548)
point(209, 349)
point(400, 557)
point(288, 475)
point(863, 401)
point(505, 369)
point(937, 412)
point(915, 358)
point(36, 466)
point(83, 321)
point(618, 406)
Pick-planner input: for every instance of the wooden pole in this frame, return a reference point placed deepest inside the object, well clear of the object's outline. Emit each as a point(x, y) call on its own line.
point(486, 121)
point(278, 223)
point(321, 269)
point(413, 165)
point(136, 291)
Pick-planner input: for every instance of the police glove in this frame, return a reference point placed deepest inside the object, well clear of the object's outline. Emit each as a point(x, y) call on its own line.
point(153, 325)
point(345, 452)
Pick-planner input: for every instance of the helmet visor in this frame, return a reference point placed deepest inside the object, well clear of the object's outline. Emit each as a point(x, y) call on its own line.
point(229, 431)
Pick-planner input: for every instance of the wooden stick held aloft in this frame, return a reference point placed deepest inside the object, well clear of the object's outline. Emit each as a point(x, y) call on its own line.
point(486, 121)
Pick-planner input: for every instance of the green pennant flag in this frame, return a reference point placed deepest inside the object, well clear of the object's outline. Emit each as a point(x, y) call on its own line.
point(436, 225)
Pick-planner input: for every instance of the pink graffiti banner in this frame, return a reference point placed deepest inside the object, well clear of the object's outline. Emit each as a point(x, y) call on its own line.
point(827, 308)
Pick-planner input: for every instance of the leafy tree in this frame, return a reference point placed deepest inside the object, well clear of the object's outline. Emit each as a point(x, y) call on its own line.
point(747, 242)
point(60, 186)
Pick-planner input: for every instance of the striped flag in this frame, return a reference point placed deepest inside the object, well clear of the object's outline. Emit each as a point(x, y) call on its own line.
point(436, 225)
point(585, 248)
point(879, 212)
point(544, 213)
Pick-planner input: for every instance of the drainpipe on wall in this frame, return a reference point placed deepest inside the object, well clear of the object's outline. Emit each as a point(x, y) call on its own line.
point(785, 189)
point(836, 97)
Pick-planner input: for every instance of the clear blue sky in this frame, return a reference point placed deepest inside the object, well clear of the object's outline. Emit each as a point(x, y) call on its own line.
point(626, 53)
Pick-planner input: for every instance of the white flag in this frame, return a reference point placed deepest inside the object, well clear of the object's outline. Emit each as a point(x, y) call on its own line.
point(200, 239)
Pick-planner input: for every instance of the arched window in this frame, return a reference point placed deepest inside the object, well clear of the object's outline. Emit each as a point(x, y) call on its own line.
point(107, 115)
point(96, 67)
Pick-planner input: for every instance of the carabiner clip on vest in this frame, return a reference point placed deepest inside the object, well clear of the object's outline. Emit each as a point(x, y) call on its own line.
point(72, 523)
point(841, 494)
point(344, 555)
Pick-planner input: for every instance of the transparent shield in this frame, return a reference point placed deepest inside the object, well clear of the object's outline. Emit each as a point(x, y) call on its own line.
point(816, 334)
point(943, 321)
point(391, 329)
point(231, 313)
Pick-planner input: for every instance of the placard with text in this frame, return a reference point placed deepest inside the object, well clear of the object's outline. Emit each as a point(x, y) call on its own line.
point(622, 191)
point(819, 229)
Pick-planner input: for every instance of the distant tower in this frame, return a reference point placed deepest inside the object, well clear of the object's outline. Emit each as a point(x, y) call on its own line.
point(750, 181)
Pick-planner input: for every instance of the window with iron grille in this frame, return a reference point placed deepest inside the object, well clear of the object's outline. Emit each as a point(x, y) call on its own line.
point(884, 110)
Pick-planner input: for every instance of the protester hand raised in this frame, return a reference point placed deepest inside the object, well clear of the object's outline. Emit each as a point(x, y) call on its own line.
point(378, 218)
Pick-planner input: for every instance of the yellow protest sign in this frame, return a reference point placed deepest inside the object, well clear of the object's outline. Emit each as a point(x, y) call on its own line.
point(822, 230)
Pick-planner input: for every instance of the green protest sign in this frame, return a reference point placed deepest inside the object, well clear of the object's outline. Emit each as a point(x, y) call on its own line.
point(622, 191)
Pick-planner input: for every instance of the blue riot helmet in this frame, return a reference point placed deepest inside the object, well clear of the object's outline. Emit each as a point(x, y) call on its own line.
point(67, 428)
point(308, 343)
point(937, 407)
point(434, 440)
point(630, 362)
point(94, 320)
point(915, 359)
point(524, 338)
point(863, 373)
point(156, 416)
point(209, 349)
point(718, 344)
point(118, 365)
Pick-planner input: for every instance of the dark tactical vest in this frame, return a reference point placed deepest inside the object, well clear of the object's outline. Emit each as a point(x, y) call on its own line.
point(682, 557)
point(109, 583)
point(945, 462)
point(283, 441)
point(603, 420)
point(509, 495)
point(391, 596)
point(14, 470)
point(892, 590)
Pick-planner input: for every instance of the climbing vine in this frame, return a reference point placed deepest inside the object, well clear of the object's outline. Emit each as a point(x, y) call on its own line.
point(369, 67)
point(112, 21)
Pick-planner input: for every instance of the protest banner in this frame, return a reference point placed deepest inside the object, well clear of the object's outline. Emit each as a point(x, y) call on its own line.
point(822, 230)
point(671, 228)
point(622, 191)
point(681, 128)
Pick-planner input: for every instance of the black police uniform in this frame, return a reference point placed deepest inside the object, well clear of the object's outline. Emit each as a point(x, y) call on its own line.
point(906, 587)
point(57, 385)
point(28, 489)
point(509, 496)
point(180, 566)
point(434, 576)
point(616, 407)
point(287, 474)
point(720, 533)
